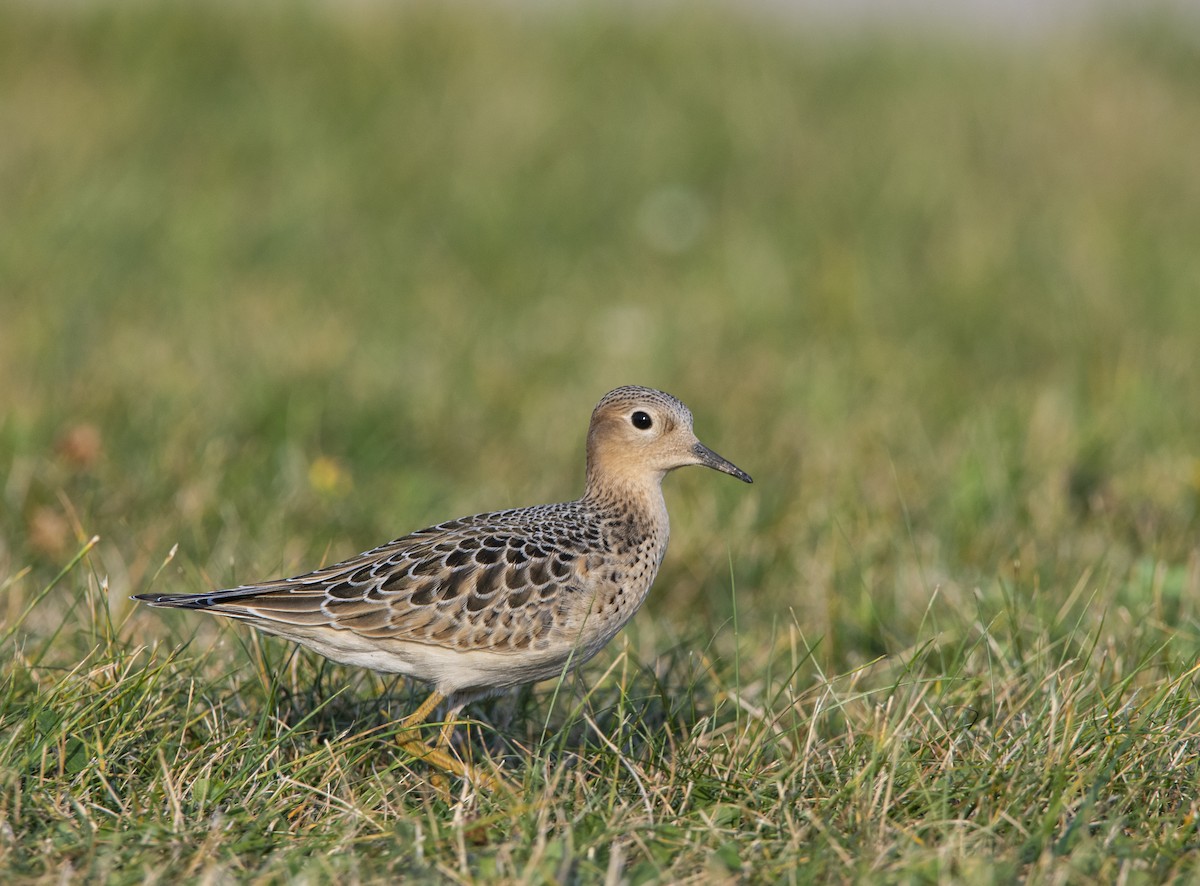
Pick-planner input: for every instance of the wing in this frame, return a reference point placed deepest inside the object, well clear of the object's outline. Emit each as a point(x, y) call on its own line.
point(503, 581)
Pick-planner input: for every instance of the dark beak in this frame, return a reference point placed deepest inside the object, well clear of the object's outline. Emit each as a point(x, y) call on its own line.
point(710, 459)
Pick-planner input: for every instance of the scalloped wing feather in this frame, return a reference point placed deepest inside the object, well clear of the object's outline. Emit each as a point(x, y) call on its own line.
point(502, 581)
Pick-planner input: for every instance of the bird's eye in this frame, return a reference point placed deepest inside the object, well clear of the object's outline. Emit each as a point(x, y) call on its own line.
point(641, 420)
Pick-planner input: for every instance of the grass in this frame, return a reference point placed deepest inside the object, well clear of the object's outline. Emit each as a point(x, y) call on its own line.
point(279, 284)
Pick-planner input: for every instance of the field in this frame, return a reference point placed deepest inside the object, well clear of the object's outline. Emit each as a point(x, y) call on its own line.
point(279, 283)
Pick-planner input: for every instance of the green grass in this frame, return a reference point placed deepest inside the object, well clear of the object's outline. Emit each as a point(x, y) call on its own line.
point(313, 280)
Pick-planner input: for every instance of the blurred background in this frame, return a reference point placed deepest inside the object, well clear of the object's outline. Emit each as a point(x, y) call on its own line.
point(281, 282)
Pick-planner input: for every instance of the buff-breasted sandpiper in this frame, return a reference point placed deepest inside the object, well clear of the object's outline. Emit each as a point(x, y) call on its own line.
point(482, 604)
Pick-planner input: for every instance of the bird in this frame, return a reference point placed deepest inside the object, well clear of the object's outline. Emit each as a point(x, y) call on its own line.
point(479, 605)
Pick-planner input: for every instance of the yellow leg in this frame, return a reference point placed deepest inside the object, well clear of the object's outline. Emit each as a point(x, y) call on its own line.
point(437, 755)
point(447, 732)
point(421, 714)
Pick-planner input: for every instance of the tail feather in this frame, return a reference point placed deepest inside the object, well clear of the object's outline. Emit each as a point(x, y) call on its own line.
point(206, 600)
